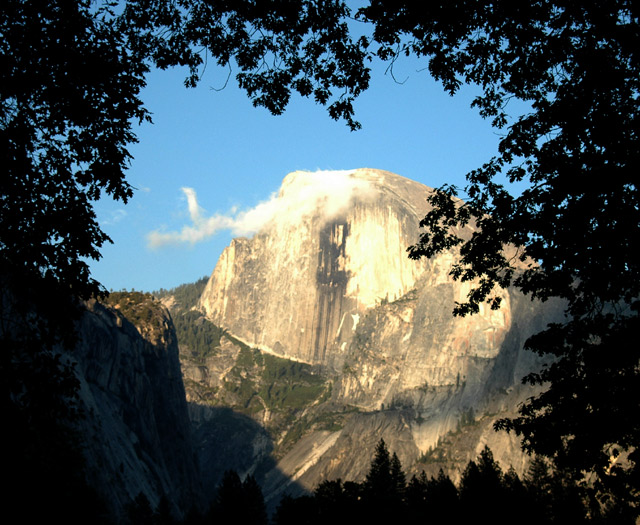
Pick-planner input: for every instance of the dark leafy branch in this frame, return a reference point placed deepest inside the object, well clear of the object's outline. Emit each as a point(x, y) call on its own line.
point(277, 47)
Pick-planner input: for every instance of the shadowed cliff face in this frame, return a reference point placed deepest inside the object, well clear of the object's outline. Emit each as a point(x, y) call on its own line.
point(137, 433)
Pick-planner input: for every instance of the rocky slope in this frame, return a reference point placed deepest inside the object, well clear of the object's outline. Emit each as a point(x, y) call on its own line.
point(328, 284)
point(137, 433)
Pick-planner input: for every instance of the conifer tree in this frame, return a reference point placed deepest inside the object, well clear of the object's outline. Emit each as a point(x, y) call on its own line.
point(253, 510)
point(442, 499)
point(238, 501)
point(416, 496)
point(538, 483)
point(228, 499)
point(379, 483)
point(398, 478)
point(517, 501)
point(381, 487)
point(481, 488)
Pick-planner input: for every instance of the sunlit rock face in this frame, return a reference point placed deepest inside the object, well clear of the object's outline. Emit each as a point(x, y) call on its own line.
point(299, 287)
point(327, 281)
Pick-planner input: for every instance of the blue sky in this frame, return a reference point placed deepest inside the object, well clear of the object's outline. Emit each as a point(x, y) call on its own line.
point(234, 156)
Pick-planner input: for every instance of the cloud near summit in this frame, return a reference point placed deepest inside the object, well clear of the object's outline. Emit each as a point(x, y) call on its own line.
point(301, 194)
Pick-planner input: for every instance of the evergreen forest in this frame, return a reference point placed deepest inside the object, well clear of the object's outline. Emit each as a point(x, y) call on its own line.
point(484, 493)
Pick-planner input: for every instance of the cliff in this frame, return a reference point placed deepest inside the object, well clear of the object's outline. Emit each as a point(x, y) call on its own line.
point(298, 286)
point(136, 431)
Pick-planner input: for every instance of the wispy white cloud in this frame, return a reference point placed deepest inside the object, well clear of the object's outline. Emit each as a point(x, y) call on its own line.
point(324, 194)
point(115, 216)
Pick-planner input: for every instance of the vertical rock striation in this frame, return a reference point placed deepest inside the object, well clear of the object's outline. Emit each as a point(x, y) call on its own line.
point(299, 287)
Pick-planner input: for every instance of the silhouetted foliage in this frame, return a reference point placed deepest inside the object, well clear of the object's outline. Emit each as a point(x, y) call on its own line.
point(68, 97)
point(516, 500)
point(416, 497)
point(398, 478)
point(481, 489)
point(485, 493)
point(229, 498)
point(254, 511)
point(337, 502)
point(441, 499)
point(301, 46)
point(539, 484)
point(384, 485)
point(296, 511)
point(238, 501)
point(382, 497)
point(379, 481)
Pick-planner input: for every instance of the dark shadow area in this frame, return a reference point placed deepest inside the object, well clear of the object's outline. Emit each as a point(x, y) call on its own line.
point(225, 440)
point(528, 318)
